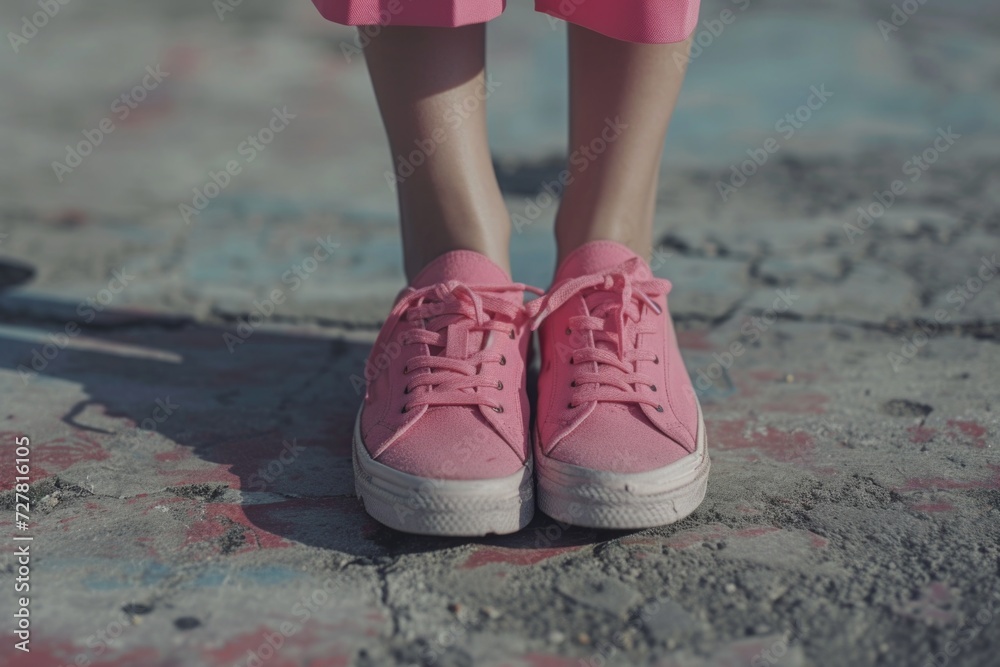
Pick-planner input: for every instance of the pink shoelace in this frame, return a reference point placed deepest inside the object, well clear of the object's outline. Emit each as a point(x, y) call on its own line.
point(614, 297)
point(449, 314)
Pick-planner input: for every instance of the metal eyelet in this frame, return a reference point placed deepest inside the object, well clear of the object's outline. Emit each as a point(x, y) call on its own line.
point(656, 359)
point(571, 362)
point(498, 409)
point(500, 385)
point(652, 387)
point(512, 334)
point(569, 331)
point(570, 406)
point(406, 370)
point(503, 360)
point(573, 383)
point(659, 408)
point(406, 390)
point(403, 410)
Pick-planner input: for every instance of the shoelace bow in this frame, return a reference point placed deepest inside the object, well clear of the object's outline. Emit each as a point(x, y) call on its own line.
point(448, 314)
point(616, 297)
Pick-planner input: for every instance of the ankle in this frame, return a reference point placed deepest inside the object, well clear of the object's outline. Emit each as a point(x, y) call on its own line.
point(638, 242)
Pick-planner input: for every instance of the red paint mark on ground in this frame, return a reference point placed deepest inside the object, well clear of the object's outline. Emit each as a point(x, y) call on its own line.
point(932, 607)
point(70, 217)
point(756, 531)
point(182, 60)
point(204, 531)
point(62, 652)
point(718, 532)
point(543, 660)
point(948, 484)
point(798, 377)
point(921, 434)
point(938, 483)
point(173, 455)
point(972, 430)
point(766, 375)
point(690, 538)
point(488, 555)
point(694, 339)
point(220, 519)
point(637, 540)
point(932, 508)
point(238, 514)
point(774, 443)
point(213, 474)
point(158, 105)
point(8, 475)
point(61, 453)
point(817, 541)
point(810, 404)
point(255, 646)
point(288, 643)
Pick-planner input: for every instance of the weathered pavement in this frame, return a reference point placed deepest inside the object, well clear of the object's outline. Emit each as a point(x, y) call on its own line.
point(192, 498)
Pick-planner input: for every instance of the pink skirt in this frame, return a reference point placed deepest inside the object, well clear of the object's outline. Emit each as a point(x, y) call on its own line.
point(643, 21)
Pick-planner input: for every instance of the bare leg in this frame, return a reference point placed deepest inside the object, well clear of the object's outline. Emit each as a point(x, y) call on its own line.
point(614, 196)
point(431, 90)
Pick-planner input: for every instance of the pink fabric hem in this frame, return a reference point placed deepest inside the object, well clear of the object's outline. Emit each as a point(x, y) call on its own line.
point(639, 21)
point(422, 13)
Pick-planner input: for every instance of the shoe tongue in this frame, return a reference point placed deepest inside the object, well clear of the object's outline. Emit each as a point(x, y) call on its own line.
point(465, 266)
point(593, 257)
point(471, 268)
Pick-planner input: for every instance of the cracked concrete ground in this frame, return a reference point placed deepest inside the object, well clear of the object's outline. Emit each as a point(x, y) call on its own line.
point(192, 495)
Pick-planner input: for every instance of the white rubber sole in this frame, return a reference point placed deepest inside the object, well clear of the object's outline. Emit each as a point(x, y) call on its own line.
point(426, 506)
point(600, 499)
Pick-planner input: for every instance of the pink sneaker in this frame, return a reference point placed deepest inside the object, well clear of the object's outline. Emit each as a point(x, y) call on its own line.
point(619, 437)
point(440, 443)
